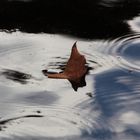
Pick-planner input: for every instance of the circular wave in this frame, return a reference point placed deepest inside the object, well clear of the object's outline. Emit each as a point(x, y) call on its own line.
point(56, 122)
point(126, 50)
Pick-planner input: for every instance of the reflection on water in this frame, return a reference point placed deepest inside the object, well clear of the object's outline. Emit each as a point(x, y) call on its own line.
point(16, 76)
point(106, 104)
point(106, 108)
point(87, 19)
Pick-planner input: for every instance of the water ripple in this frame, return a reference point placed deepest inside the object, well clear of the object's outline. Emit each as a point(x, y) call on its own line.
point(113, 83)
point(126, 51)
point(64, 121)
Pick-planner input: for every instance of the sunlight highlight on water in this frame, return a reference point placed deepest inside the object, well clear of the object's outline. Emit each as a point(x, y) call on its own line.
point(97, 110)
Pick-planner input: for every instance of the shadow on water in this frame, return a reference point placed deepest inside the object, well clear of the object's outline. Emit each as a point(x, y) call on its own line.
point(16, 76)
point(37, 98)
point(116, 93)
point(117, 90)
point(82, 18)
point(78, 83)
point(117, 97)
point(109, 135)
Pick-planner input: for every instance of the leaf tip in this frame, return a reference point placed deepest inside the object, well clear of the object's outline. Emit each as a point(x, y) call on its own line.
point(74, 45)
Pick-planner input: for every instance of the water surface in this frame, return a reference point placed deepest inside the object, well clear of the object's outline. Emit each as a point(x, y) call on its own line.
point(32, 106)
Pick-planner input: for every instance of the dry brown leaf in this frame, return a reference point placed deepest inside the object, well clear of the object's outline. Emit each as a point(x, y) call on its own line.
point(75, 70)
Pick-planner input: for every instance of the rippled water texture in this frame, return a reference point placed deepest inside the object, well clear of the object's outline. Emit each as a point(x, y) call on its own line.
point(35, 107)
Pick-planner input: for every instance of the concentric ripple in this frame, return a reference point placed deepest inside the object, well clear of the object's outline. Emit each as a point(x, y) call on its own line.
point(50, 121)
point(126, 50)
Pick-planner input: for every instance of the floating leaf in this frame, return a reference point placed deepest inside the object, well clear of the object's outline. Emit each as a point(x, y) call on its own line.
point(75, 70)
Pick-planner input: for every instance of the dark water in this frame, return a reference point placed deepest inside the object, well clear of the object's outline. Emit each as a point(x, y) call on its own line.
point(39, 34)
point(100, 19)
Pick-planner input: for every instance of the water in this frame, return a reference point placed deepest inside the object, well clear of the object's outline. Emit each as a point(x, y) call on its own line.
point(110, 112)
point(33, 106)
